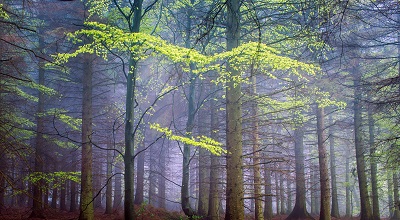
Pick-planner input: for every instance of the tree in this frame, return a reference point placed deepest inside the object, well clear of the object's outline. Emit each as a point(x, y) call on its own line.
point(366, 212)
point(332, 160)
point(299, 211)
point(234, 173)
point(325, 212)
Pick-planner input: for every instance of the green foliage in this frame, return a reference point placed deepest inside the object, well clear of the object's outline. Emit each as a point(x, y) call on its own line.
point(202, 141)
point(56, 178)
point(3, 14)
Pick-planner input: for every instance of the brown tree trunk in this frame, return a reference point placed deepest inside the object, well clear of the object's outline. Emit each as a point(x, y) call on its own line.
point(299, 211)
point(258, 211)
point(204, 166)
point(37, 205)
point(63, 194)
point(366, 211)
point(325, 210)
point(335, 204)
point(117, 203)
point(139, 196)
point(268, 213)
point(109, 179)
point(86, 198)
point(374, 179)
point(396, 208)
point(234, 172)
point(390, 192)
point(213, 198)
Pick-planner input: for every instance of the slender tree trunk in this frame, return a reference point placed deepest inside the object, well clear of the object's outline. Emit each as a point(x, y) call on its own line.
point(277, 194)
point(109, 179)
point(268, 213)
point(73, 206)
point(258, 211)
point(281, 194)
point(37, 206)
point(204, 178)
point(117, 203)
point(63, 194)
point(3, 168)
point(347, 184)
point(390, 192)
point(129, 160)
point(213, 199)
point(374, 179)
point(335, 204)
point(185, 194)
point(289, 195)
point(234, 172)
point(139, 196)
point(161, 178)
point(86, 198)
point(366, 211)
point(325, 210)
point(299, 211)
point(396, 208)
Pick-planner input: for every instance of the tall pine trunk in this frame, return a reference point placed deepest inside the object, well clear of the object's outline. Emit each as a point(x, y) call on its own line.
point(234, 172)
point(37, 205)
point(325, 210)
point(299, 211)
point(258, 211)
point(86, 197)
point(366, 211)
point(332, 158)
point(213, 199)
point(374, 179)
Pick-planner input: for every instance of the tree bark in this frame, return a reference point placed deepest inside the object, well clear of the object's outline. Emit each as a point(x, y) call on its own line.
point(335, 204)
point(213, 199)
point(366, 211)
point(396, 208)
point(348, 193)
point(37, 206)
point(185, 194)
point(373, 165)
point(129, 160)
point(117, 203)
point(234, 172)
point(204, 178)
point(299, 211)
point(325, 210)
point(109, 179)
point(86, 198)
point(139, 196)
point(268, 213)
point(258, 212)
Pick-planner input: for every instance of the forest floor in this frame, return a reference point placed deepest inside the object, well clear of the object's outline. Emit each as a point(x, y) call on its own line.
point(145, 213)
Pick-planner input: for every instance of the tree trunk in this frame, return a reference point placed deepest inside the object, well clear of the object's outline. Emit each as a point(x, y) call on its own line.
point(86, 198)
point(268, 213)
point(325, 210)
point(299, 211)
point(204, 178)
point(109, 179)
point(277, 194)
point(139, 196)
point(335, 203)
point(129, 160)
point(281, 194)
point(37, 206)
point(161, 178)
point(347, 184)
point(396, 208)
point(390, 192)
point(117, 203)
point(258, 212)
point(63, 194)
point(374, 179)
point(185, 193)
point(213, 199)
point(234, 172)
point(366, 212)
